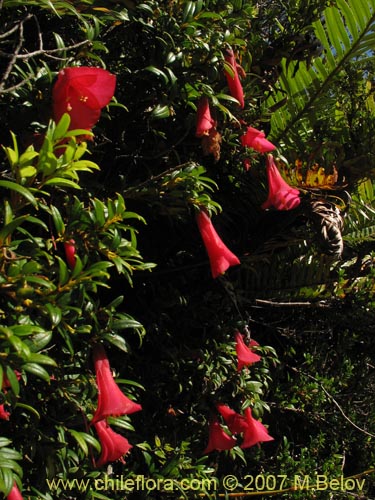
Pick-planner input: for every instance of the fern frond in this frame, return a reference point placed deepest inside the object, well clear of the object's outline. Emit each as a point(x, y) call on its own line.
point(346, 32)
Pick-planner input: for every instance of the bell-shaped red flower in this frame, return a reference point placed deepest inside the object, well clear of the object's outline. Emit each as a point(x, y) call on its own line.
point(255, 432)
point(70, 253)
point(218, 439)
point(233, 79)
point(204, 120)
point(221, 258)
point(256, 139)
point(236, 423)
point(245, 356)
point(111, 401)
point(280, 195)
point(15, 493)
point(114, 446)
point(82, 92)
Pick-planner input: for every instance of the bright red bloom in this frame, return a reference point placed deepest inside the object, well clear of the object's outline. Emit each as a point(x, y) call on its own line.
point(114, 446)
point(111, 401)
point(245, 356)
point(218, 439)
point(280, 195)
point(236, 423)
point(204, 120)
point(82, 92)
point(255, 432)
point(15, 493)
point(233, 80)
point(221, 258)
point(256, 139)
point(4, 415)
point(70, 253)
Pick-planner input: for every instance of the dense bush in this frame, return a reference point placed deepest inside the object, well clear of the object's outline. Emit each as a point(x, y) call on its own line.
point(112, 312)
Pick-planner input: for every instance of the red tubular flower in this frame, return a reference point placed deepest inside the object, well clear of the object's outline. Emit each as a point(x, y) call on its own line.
point(15, 493)
point(218, 439)
point(245, 356)
point(221, 258)
point(70, 253)
point(114, 446)
point(233, 80)
point(204, 120)
point(255, 433)
point(4, 415)
point(236, 423)
point(280, 196)
point(111, 401)
point(256, 139)
point(82, 92)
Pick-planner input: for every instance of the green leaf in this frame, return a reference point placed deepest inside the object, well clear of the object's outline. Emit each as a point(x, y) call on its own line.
point(26, 330)
point(160, 112)
point(4, 442)
point(19, 189)
point(123, 323)
point(13, 380)
point(61, 128)
point(37, 370)
point(9, 228)
point(158, 72)
point(40, 341)
point(57, 220)
point(117, 341)
point(42, 359)
point(80, 440)
point(27, 157)
point(6, 478)
point(54, 313)
point(28, 171)
point(61, 182)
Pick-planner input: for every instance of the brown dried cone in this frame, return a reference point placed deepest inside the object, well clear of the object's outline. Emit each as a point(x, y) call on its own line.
point(328, 220)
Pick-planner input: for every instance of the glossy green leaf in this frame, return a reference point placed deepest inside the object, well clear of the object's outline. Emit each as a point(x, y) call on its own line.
point(61, 182)
point(36, 370)
point(19, 189)
point(13, 380)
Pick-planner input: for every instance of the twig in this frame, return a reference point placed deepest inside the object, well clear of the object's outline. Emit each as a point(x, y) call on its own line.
point(45, 52)
point(337, 405)
point(12, 62)
point(155, 178)
point(345, 416)
point(290, 304)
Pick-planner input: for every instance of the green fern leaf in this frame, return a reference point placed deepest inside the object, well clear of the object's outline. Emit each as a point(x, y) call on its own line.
point(346, 32)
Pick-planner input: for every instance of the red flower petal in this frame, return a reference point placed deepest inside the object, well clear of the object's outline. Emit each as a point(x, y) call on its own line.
point(236, 423)
point(245, 356)
point(280, 196)
point(15, 493)
point(82, 92)
point(221, 258)
point(111, 400)
point(256, 139)
point(234, 84)
point(4, 415)
point(114, 446)
point(255, 433)
point(218, 439)
point(204, 119)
